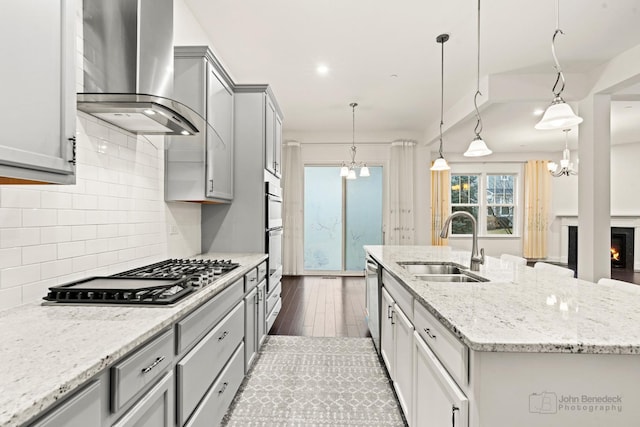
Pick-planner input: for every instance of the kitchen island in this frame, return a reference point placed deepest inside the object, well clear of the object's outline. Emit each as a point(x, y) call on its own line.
point(524, 348)
point(48, 352)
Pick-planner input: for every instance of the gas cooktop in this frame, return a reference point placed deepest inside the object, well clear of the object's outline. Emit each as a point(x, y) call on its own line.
point(162, 283)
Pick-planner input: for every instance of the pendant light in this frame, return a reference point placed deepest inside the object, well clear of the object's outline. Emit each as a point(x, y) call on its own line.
point(441, 164)
point(478, 147)
point(559, 114)
point(566, 167)
point(348, 170)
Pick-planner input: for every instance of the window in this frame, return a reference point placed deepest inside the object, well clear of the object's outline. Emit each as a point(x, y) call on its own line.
point(491, 197)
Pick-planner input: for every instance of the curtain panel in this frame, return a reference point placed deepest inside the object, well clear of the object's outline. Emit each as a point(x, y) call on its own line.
point(292, 209)
point(536, 210)
point(440, 182)
point(401, 230)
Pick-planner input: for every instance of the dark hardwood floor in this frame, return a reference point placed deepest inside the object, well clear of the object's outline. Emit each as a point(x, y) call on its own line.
point(322, 306)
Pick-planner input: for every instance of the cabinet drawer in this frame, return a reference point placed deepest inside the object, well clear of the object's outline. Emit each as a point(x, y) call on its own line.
point(399, 293)
point(452, 353)
point(274, 297)
point(200, 321)
point(200, 367)
point(250, 280)
point(219, 397)
point(140, 369)
point(262, 271)
point(81, 410)
point(273, 315)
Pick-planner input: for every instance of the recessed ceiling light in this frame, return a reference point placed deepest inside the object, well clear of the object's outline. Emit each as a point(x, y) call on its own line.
point(393, 76)
point(628, 106)
point(538, 112)
point(322, 69)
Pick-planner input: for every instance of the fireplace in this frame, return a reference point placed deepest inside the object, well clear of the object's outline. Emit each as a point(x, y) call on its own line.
point(621, 248)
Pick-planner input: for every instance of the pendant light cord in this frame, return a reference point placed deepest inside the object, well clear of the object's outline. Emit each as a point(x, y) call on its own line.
point(353, 106)
point(478, 128)
point(441, 39)
point(560, 76)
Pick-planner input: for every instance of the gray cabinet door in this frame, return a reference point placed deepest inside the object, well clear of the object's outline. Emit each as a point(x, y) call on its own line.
point(38, 85)
point(81, 410)
point(262, 313)
point(387, 332)
point(250, 328)
point(277, 147)
point(269, 135)
point(154, 409)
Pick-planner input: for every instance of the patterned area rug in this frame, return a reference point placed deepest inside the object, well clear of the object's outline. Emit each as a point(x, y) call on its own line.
point(314, 381)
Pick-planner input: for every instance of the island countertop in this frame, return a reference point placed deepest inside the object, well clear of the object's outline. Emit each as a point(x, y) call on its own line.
point(48, 351)
point(521, 309)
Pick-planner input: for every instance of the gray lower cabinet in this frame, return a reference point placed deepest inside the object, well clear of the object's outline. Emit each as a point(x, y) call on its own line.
point(81, 410)
point(197, 371)
point(250, 328)
point(219, 397)
point(262, 324)
point(38, 77)
point(154, 409)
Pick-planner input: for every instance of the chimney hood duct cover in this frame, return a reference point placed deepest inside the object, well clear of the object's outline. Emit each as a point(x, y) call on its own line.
point(128, 67)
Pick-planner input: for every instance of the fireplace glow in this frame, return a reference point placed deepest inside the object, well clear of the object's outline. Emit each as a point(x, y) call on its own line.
point(615, 254)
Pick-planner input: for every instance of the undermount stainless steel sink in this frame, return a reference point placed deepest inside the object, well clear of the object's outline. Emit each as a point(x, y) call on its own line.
point(449, 278)
point(447, 272)
point(431, 267)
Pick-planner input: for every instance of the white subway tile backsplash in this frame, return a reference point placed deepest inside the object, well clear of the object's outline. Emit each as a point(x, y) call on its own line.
point(10, 217)
point(85, 263)
point(107, 230)
point(55, 234)
point(85, 201)
point(15, 276)
point(39, 217)
point(96, 246)
point(17, 237)
point(10, 297)
point(34, 292)
point(56, 268)
point(84, 232)
point(10, 257)
point(107, 259)
point(56, 200)
point(18, 197)
point(71, 217)
point(71, 249)
point(39, 253)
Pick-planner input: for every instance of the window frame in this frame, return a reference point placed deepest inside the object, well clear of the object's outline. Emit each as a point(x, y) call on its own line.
point(483, 170)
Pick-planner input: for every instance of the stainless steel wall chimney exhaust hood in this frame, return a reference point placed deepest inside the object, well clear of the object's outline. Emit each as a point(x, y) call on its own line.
point(128, 67)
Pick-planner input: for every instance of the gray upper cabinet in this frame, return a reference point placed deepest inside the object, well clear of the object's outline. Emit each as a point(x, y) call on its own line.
point(38, 84)
point(199, 168)
point(272, 138)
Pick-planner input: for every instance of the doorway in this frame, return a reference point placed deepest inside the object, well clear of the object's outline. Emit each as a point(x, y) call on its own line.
point(340, 216)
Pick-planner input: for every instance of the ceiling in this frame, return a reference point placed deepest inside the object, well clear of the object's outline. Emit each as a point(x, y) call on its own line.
point(384, 56)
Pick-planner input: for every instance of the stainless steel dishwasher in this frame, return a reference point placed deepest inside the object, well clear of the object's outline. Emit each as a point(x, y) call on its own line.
point(373, 300)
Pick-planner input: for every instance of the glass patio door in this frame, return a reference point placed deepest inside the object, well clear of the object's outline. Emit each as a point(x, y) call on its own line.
point(340, 216)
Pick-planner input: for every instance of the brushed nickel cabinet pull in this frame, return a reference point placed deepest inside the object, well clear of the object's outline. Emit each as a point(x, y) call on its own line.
point(153, 365)
point(428, 332)
point(223, 336)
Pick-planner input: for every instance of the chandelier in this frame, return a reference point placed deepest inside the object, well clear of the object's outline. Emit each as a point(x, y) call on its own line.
point(477, 147)
point(348, 170)
point(566, 166)
point(559, 114)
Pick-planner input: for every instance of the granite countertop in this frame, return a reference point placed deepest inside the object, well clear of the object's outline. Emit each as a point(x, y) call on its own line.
point(522, 309)
point(48, 351)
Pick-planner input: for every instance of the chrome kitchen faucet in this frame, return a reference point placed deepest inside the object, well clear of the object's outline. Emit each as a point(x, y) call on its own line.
point(476, 259)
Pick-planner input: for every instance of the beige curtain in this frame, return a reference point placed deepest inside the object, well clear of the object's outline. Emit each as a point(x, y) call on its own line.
point(440, 182)
point(401, 230)
point(536, 209)
point(292, 208)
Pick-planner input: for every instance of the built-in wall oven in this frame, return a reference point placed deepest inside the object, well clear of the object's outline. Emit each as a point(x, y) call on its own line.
point(273, 223)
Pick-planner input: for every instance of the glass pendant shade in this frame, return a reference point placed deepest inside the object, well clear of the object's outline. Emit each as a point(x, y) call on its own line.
point(552, 166)
point(440, 165)
point(352, 174)
point(364, 171)
point(558, 115)
point(344, 171)
point(477, 148)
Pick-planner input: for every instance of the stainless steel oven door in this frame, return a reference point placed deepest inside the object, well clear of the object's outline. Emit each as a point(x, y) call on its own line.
point(274, 211)
point(274, 246)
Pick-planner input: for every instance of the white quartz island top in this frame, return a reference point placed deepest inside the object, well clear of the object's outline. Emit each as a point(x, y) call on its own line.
point(521, 309)
point(48, 351)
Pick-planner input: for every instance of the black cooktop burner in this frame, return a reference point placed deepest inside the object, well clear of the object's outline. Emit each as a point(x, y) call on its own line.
point(162, 283)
